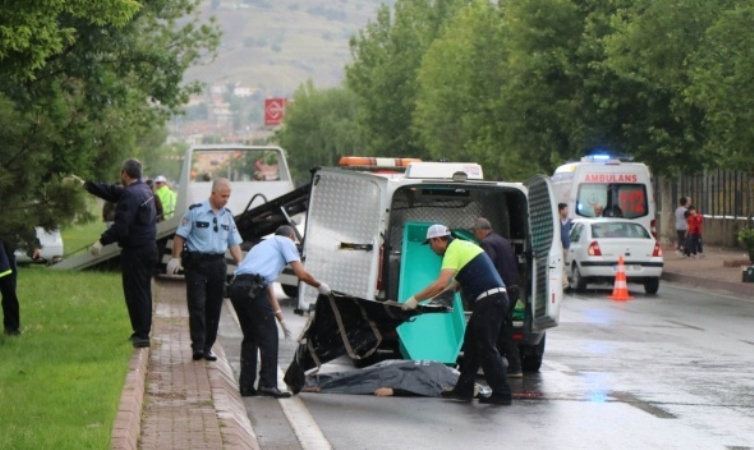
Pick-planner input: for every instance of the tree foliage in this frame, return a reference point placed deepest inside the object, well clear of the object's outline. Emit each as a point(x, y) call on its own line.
point(84, 85)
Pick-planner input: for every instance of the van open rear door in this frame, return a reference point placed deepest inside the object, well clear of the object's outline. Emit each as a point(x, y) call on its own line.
point(342, 240)
point(547, 273)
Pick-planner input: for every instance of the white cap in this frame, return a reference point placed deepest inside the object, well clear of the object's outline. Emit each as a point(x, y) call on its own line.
point(436, 231)
point(160, 179)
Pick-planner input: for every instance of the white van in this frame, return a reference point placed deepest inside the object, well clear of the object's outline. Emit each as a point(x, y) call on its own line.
point(619, 188)
point(364, 232)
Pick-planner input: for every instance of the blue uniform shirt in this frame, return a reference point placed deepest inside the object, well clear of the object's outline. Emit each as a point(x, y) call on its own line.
point(207, 232)
point(268, 258)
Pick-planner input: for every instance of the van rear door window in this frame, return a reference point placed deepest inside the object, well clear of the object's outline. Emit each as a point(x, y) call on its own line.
point(627, 200)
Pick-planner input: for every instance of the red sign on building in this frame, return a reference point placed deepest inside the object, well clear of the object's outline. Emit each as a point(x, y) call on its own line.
point(274, 110)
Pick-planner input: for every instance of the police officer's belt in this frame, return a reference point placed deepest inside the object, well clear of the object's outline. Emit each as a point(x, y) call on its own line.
point(487, 293)
point(194, 256)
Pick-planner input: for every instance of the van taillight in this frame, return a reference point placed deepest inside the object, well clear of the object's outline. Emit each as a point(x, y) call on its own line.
point(653, 228)
point(657, 250)
point(594, 249)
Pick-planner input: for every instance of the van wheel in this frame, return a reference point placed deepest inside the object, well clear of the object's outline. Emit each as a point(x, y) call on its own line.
point(290, 291)
point(578, 283)
point(651, 285)
point(531, 356)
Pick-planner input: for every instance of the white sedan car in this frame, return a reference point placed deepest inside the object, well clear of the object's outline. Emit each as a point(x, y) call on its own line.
point(51, 251)
point(596, 246)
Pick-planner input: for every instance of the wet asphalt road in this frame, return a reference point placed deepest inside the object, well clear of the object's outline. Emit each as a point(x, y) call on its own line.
point(672, 371)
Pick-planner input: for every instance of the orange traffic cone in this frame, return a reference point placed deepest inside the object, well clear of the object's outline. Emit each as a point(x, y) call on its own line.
point(620, 289)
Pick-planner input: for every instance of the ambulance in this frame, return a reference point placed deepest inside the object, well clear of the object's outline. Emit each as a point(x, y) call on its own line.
point(617, 187)
point(364, 234)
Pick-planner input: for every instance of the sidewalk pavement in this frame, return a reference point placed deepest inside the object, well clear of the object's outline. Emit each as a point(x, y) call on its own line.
point(172, 402)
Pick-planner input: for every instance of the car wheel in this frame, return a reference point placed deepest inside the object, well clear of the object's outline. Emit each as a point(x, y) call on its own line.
point(578, 283)
point(651, 285)
point(531, 356)
point(290, 291)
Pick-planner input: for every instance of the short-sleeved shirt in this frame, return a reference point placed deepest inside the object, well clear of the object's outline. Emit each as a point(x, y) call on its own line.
point(269, 258)
point(206, 231)
point(680, 218)
point(474, 269)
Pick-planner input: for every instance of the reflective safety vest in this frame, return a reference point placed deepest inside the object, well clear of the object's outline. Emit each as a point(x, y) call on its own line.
point(168, 199)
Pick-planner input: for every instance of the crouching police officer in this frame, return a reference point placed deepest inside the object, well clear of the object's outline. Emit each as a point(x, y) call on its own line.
point(256, 306)
point(206, 231)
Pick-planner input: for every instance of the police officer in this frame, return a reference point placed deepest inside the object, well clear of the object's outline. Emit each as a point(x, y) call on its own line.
point(206, 231)
point(134, 229)
point(503, 258)
point(476, 276)
point(256, 306)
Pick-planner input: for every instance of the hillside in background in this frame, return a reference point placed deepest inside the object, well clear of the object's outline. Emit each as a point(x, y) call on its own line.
point(276, 45)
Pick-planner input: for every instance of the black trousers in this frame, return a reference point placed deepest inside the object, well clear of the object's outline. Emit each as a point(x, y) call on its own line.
point(11, 315)
point(480, 347)
point(259, 334)
point(506, 344)
point(137, 267)
point(205, 285)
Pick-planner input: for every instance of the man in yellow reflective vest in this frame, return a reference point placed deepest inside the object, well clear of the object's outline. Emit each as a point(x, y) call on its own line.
point(167, 197)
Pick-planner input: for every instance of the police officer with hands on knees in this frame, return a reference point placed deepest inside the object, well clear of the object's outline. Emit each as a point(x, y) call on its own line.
point(256, 306)
point(466, 265)
point(134, 229)
point(206, 231)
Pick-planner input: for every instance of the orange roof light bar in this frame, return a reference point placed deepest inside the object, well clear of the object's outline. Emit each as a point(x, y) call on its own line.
point(368, 161)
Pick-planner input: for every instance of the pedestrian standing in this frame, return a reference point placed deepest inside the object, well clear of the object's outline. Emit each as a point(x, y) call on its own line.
point(681, 226)
point(694, 233)
point(565, 231)
point(466, 266)
point(503, 258)
point(157, 203)
point(134, 229)
point(168, 198)
point(8, 283)
point(206, 231)
point(257, 308)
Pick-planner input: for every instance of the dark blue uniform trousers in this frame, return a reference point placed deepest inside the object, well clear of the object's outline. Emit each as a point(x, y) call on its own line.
point(259, 334)
point(137, 267)
point(205, 286)
point(480, 347)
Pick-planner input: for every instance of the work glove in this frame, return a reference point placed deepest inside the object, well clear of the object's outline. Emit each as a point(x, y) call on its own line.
point(324, 289)
point(174, 265)
point(74, 180)
point(411, 303)
point(96, 248)
point(286, 331)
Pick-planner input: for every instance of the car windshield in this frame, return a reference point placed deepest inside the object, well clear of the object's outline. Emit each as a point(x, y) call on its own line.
point(619, 230)
point(612, 200)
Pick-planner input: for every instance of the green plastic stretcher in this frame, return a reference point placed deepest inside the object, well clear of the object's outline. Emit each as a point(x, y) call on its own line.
point(432, 337)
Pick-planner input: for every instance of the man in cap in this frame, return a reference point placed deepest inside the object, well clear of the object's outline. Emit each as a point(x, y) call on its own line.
point(167, 197)
point(467, 266)
point(503, 257)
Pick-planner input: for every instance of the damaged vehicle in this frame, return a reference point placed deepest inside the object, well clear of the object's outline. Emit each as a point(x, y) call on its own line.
point(364, 235)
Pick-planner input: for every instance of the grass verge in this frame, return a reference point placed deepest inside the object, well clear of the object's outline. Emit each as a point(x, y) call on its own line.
point(61, 380)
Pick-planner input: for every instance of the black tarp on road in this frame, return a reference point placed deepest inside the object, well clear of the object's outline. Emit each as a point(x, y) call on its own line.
point(346, 325)
point(404, 377)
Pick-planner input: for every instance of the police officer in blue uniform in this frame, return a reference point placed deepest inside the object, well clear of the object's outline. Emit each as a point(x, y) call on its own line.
point(206, 231)
point(256, 306)
point(134, 229)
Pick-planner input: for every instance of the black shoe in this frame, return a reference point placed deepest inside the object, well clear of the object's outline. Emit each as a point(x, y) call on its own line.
point(15, 332)
point(452, 394)
point(272, 392)
point(140, 342)
point(197, 355)
point(209, 356)
point(495, 400)
point(248, 392)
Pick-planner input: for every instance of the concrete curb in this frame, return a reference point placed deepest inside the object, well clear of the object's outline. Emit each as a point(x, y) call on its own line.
point(127, 424)
point(709, 284)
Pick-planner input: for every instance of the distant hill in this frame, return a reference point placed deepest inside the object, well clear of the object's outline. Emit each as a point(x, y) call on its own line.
point(275, 45)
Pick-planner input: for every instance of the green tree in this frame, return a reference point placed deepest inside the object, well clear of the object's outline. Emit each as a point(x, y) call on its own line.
point(319, 126)
point(83, 85)
point(387, 54)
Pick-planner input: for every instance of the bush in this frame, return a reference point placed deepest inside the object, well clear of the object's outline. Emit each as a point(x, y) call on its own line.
point(746, 238)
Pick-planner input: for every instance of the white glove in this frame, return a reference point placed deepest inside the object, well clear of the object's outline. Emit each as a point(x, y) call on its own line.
point(324, 289)
point(410, 304)
point(73, 180)
point(96, 248)
point(174, 265)
point(286, 331)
